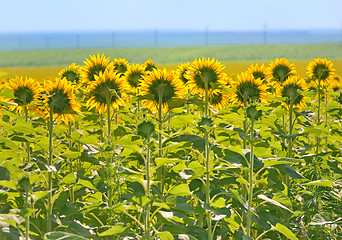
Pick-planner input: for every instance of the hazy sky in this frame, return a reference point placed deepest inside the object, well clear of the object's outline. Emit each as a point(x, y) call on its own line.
point(84, 15)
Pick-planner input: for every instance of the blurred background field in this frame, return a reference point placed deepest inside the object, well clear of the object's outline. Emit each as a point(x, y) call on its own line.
point(45, 64)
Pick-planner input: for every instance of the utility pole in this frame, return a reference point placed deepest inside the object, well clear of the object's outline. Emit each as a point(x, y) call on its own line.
point(206, 36)
point(156, 38)
point(265, 33)
point(113, 40)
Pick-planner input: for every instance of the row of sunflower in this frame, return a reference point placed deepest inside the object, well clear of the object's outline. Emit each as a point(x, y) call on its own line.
point(164, 188)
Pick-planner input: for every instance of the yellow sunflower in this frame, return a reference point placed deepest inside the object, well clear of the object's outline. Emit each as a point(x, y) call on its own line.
point(335, 86)
point(279, 70)
point(134, 75)
point(218, 99)
point(248, 89)
point(71, 73)
point(120, 65)
point(258, 71)
point(94, 66)
point(150, 65)
point(321, 70)
point(291, 90)
point(107, 84)
point(26, 92)
point(161, 86)
point(60, 97)
point(204, 71)
point(182, 70)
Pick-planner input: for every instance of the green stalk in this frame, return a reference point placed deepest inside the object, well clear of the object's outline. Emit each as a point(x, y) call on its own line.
point(148, 192)
point(109, 141)
point(71, 170)
point(250, 181)
point(207, 161)
point(27, 143)
point(49, 203)
point(207, 185)
point(289, 153)
point(27, 220)
point(161, 171)
point(318, 113)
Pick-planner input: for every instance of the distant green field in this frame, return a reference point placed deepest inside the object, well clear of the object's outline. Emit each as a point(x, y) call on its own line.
point(177, 55)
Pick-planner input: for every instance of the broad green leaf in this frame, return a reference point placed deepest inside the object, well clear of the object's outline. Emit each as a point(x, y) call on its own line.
point(12, 219)
point(6, 92)
point(284, 230)
point(24, 127)
point(69, 179)
point(86, 183)
point(283, 199)
point(274, 202)
point(4, 174)
point(219, 203)
point(163, 161)
point(165, 235)
point(63, 236)
point(71, 154)
point(197, 167)
point(9, 184)
point(181, 190)
point(324, 183)
point(116, 229)
point(272, 162)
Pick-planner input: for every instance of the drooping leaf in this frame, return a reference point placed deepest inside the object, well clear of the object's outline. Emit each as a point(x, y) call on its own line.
point(274, 202)
point(63, 236)
point(284, 230)
point(165, 235)
point(181, 190)
point(116, 229)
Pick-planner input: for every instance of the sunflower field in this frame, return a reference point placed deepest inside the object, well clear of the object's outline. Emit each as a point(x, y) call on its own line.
point(116, 150)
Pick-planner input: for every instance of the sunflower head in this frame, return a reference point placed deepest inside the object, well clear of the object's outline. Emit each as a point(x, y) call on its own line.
point(120, 65)
point(218, 99)
point(60, 99)
point(321, 71)
point(335, 85)
point(160, 87)
point(150, 66)
point(258, 71)
point(182, 71)
point(94, 66)
point(248, 89)
point(71, 73)
point(108, 87)
point(204, 72)
point(26, 92)
point(279, 70)
point(134, 75)
point(291, 90)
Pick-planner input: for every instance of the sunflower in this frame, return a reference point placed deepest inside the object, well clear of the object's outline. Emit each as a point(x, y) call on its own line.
point(218, 99)
point(182, 70)
point(205, 71)
point(150, 65)
point(291, 90)
point(279, 70)
point(321, 70)
point(94, 66)
point(258, 71)
point(60, 97)
point(120, 65)
point(161, 86)
point(248, 89)
point(134, 75)
point(335, 86)
point(26, 92)
point(71, 73)
point(107, 84)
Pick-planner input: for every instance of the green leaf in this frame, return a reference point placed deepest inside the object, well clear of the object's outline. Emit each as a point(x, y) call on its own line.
point(284, 230)
point(274, 202)
point(163, 161)
point(165, 235)
point(116, 229)
point(4, 173)
point(63, 236)
point(324, 183)
point(6, 92)
point(181, 190)
point(69, 179)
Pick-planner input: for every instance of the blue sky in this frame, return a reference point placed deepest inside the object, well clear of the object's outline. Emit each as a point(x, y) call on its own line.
point(235, 15)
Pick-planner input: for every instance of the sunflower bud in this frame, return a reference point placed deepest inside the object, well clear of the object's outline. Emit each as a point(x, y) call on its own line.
point(253, 113)
point(146, 129)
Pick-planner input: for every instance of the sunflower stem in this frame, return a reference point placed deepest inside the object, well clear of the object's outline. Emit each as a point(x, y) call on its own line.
point(290, 142)
point(109, 141)
point(161, 170)
point(27, 220)
point(71, 170)
point(49, 202)
point(207, 185)
point(27, 143)
point(250, 180)
point(318, 112)
point(148, 192)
